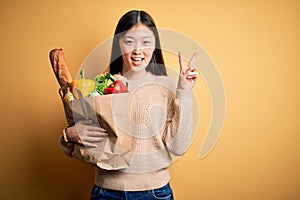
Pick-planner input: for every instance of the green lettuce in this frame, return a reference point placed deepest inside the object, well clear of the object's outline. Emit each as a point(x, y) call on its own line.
point(103, 81)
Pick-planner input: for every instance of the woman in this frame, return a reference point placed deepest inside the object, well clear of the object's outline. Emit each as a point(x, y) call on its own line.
point(137, 58)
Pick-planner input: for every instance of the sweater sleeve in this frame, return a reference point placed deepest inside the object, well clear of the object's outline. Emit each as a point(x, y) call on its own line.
point(178, 131)
point(67, 148)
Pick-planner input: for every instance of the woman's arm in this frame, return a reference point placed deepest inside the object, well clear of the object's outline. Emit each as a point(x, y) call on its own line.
point(178, 131)
point(179, 124)
point(84, 133)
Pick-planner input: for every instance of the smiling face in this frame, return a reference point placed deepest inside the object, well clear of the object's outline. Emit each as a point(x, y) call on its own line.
point(137, 46)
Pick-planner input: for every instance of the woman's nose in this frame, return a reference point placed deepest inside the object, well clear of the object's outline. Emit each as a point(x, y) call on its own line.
point(136, 52)
point(137, 48)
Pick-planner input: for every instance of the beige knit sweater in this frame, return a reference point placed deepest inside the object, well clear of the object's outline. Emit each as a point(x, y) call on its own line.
point(163, 115)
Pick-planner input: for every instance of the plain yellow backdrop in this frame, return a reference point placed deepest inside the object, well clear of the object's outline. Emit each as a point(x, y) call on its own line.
point(255, 45)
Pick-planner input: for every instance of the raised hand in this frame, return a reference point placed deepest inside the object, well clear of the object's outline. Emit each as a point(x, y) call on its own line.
point(188, 73)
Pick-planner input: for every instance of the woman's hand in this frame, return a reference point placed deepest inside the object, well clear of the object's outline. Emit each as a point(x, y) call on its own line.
point(188, 74)
point(86, 133)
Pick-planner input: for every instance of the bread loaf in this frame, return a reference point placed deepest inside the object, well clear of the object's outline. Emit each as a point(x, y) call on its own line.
point(60, 67)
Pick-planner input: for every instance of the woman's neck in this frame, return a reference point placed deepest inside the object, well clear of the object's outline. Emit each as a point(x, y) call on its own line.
point(135, 75)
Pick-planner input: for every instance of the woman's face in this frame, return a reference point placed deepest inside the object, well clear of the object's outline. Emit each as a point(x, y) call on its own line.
point(137, 46)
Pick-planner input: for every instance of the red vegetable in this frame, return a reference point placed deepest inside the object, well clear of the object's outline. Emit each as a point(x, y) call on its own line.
point(115, 87)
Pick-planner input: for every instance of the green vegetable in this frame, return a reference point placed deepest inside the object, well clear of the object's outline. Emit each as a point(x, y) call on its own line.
point(103, 81)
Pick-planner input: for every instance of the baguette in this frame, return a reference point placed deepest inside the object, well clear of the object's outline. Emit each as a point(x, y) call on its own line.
point(63, 75)
point(60, 67)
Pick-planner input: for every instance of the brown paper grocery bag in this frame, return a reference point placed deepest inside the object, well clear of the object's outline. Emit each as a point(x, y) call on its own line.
point(114, 152)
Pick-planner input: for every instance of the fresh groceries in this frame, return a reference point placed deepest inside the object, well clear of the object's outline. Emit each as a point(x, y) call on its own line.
point(116, 87)
point(86, 86)
point(60, 67)
point(102, 84)
point(62, 74)
point(103, 81)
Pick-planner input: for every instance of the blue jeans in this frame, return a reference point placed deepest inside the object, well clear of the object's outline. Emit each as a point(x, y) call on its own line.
point(164, 193)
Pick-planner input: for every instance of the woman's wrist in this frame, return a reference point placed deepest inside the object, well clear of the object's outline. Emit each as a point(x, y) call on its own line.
point(65, 136)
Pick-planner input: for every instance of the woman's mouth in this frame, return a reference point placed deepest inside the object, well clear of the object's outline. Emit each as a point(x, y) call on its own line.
point(137, 60)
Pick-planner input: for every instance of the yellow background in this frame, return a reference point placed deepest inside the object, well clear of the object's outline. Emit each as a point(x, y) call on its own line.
point(255, 45)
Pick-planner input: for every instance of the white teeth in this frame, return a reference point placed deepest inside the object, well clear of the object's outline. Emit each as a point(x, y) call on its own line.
point(137, 59)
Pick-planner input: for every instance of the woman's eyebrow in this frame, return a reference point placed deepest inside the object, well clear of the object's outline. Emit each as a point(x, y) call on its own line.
point(132, 37)
point(127, 36)
point(147, 36)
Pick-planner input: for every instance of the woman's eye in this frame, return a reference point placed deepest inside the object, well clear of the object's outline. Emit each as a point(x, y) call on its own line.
point(128, 42)
point(147, 43)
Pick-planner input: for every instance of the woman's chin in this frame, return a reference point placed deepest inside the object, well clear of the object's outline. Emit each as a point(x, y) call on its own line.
point(138, 68)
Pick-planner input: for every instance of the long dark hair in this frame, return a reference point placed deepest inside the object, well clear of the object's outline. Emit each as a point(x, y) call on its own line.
point(156, 65)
